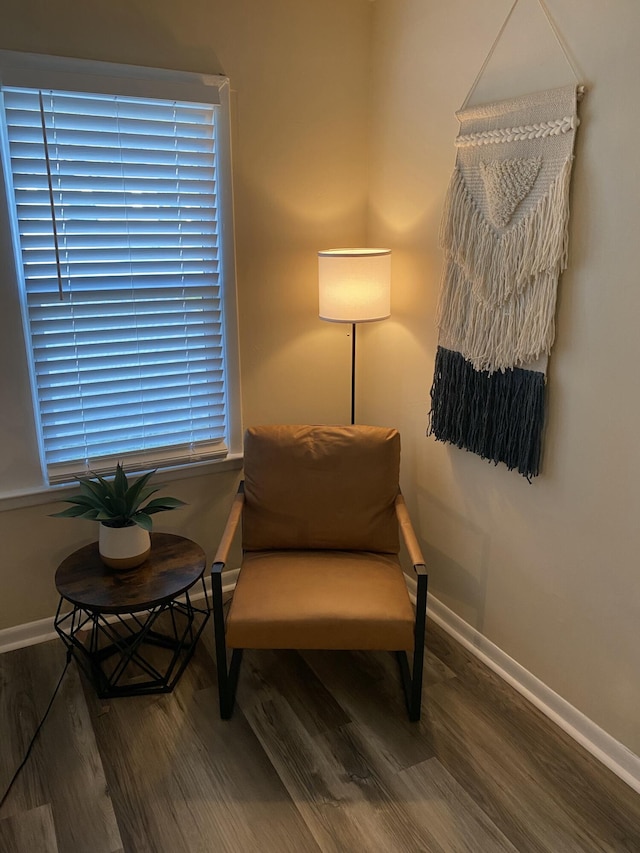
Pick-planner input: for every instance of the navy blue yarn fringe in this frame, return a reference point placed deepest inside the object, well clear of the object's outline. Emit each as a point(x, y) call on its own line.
point(499, 416)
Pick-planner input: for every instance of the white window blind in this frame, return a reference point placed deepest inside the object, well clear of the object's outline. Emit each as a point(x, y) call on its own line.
point(117, 216)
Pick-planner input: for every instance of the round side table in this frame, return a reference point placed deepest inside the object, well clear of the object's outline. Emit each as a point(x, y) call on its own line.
point(133, 632)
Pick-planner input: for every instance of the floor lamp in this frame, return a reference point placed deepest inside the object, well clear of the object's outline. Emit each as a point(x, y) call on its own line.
point(354, 287)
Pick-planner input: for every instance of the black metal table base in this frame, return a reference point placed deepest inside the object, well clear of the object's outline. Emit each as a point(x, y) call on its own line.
point(133, 654)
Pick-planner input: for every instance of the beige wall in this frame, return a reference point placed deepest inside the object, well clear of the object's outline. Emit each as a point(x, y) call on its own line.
point(299, 75)
point(548, 571)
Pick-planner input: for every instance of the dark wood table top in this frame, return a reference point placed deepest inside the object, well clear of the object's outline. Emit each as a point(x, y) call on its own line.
point(175, 564)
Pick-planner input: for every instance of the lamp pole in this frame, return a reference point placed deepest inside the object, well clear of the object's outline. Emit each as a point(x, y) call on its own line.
point(353, 373)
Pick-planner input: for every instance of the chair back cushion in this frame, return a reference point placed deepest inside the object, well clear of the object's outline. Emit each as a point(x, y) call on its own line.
point(321, 487)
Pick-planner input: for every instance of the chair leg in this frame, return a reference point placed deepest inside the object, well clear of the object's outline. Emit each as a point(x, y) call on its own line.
point(227, 676)
point(418, 648)
point(234, 671)
point(412, 680)
point(405, 675)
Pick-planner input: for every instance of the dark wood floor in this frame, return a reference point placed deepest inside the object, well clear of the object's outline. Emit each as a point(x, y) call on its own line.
point(318, 757)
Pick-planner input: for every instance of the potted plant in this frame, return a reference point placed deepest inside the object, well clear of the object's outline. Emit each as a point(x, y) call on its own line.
point(125, 519)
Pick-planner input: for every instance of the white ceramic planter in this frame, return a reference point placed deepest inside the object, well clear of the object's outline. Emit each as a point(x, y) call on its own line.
point(123, 548)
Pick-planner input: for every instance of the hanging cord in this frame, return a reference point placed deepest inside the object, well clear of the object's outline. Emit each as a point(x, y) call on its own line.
point(37, 731)
point(560, 40)
point(52, 204)
point(554, 30)
point(489, 55)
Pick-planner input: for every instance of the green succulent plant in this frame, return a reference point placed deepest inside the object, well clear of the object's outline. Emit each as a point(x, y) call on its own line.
point(117, 502)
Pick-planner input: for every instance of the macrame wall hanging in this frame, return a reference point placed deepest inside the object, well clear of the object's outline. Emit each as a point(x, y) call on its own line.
point(505, 236)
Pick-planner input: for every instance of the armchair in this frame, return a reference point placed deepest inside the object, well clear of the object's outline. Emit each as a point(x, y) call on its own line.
point(320, 510)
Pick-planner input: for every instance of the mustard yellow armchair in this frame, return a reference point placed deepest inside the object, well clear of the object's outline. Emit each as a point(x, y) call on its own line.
point(321, 512)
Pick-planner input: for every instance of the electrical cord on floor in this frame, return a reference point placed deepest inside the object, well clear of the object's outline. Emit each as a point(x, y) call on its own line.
point(37, 731)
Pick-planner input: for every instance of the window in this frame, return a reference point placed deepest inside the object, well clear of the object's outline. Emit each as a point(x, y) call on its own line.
point(119, 193)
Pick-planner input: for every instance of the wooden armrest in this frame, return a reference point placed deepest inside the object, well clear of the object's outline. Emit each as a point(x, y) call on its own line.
point(235, 513)
point(409, 536)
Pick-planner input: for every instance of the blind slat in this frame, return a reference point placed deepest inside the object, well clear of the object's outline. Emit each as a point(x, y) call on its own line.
point(134, 440)
point(94, 154)
point(26, 168)
point(121, 403)
point(99, 244)
point(130, 382)
point(165, 421)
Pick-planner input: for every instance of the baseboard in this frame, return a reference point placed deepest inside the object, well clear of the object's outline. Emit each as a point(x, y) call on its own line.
point(26, 635)
point(42, 630)
point(606, 749)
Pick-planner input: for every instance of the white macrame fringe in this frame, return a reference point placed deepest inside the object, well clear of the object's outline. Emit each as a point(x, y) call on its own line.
point(501, 264)
point(494, 339)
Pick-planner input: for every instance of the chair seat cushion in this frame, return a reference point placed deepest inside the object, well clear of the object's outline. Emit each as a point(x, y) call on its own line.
point(320, 600)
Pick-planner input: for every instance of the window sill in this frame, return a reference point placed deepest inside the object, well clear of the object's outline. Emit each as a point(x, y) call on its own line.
point(51, 494)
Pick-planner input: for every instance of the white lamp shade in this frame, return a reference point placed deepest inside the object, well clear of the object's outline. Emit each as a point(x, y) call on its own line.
point(354, 285)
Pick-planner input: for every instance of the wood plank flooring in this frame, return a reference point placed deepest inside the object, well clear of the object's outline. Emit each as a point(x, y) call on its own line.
point(319, 756)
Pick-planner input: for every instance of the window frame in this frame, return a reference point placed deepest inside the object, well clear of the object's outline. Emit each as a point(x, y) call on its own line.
point(47, 72)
